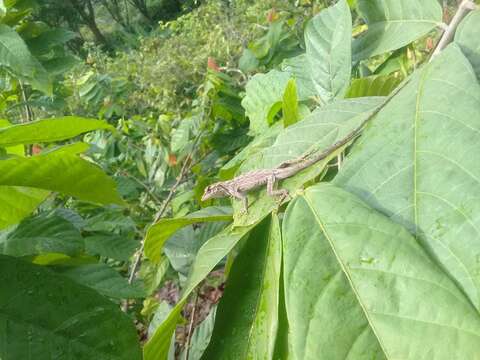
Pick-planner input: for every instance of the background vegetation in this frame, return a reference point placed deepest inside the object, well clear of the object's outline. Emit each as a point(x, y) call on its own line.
point(116, 114)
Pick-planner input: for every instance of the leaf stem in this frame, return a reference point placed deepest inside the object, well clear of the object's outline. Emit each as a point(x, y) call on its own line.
point(465, 7)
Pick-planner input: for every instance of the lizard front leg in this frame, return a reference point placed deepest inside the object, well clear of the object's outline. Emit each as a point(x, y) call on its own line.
point(241, 196)
point(283, 193)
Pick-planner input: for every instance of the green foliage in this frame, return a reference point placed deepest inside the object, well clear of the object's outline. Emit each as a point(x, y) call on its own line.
point(103, 279)
point(52, 316)
point(209, 255)
point(15, 56)
point(49, 130)
point(42, 235)
point(370, 266)
point(65, 168)
point(468, 41)
point(392, 25)
point(290, 104)
point(418, 181)
point(246, 318)
point(169, 65)
point(338, 270)
point(328, 49)
point(159, 233)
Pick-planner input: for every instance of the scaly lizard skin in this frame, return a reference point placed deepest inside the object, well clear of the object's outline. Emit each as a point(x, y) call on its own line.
point(241, 185)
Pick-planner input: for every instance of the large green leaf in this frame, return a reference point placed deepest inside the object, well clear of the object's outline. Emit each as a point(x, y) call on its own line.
point(360, 286)
point(43, 234)
point(467, 37)
point(318, 131)
point(17, 202)
point(15, 56)
point(210, 254)
point(393, 24)
point(103, 279)
point(329, 50)
point(61, 171)
point(47, 316)
point(159, 233)
point(49, 130)
point(417, 163)
point(263, 92)
point(247, 316)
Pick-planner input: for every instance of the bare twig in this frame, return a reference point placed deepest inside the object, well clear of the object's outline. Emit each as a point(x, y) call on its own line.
point(159, 214)
point(190, 327)
point(465, 7)
point(28, 114)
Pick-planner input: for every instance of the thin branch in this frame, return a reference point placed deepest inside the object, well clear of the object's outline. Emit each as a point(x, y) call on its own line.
point(465, 7)
point(190, 327)
point(29, 116)
point(159, 214)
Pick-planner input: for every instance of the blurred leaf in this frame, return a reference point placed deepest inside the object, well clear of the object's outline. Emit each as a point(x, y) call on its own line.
point(17, 149)
point(248, 62)
point(103, 279)
point(393, 24)
point(47, 40)
point(111, 246)
point(15, 56)
point(152, 274)
point(60, 65)
point(266, 45)
point(18, 202)
point(467, 37)
point(182, 247)
point(49, 130)
point(376, 85)
point(48, 315)
point(159, 233)
point(181, 135)
point(43, 234)
point(329, 51)
point(110, 220)
point(397, 61)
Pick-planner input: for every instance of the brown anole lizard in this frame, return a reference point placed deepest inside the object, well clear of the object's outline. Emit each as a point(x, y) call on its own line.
point(239, 186)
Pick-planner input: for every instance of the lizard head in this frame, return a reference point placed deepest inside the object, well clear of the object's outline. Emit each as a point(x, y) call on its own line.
point(216, 190)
